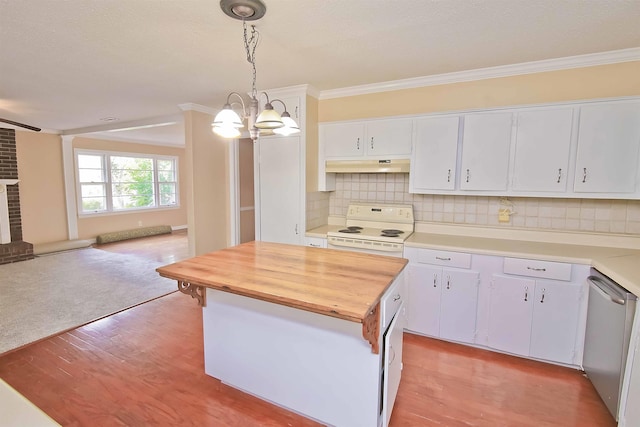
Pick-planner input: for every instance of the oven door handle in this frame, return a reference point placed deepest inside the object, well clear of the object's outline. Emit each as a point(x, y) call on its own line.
point(606, 289)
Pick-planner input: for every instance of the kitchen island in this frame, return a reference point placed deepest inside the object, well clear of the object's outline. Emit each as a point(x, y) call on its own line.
point(317, 331)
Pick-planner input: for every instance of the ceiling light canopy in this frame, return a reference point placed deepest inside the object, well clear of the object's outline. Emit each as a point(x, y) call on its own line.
point(227, 122)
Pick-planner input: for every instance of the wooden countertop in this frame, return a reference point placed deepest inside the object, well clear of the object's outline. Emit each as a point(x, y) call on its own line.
point(341, 284)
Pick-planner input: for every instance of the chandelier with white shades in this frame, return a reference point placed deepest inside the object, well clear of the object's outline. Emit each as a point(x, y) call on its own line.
point(227, 122)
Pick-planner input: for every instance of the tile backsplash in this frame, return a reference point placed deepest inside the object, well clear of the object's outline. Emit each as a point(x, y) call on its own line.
point(586, 215)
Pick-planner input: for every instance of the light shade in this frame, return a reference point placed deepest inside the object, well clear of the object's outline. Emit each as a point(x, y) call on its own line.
point(227, 118)
point(269, 119)
point(290, 126)
point(226, 131)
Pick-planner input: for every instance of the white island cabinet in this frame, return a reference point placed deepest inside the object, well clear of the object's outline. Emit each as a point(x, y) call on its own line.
point(291, 325)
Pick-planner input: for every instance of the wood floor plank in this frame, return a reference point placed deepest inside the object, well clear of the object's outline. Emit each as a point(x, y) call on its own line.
point(145, 366)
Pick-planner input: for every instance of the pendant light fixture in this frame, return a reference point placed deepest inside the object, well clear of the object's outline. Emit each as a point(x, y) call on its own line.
point(227, 122)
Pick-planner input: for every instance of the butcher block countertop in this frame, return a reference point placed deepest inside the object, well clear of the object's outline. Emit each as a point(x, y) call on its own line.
point(341, 284)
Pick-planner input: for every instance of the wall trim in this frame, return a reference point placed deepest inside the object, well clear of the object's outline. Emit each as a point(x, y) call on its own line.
point(69, 186)
point(578, 61)
point(197, 107)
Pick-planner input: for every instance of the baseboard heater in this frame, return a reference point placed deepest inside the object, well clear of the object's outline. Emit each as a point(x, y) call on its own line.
point(117, 236)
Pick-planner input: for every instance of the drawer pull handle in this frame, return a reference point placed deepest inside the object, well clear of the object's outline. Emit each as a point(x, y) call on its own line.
point(396, 298)
point(467, 175)
point(536, 269)
point(314, 245)
point(526, 293)
point(443, 259)
point(584, 175)
point(372, 143)
point(449, 176)
point(542, 298)
point(559, 175)
point(448, 282)
point(435, 279)
point(358, 144)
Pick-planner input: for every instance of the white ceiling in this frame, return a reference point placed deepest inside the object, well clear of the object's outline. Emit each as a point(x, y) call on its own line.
point(65, 65)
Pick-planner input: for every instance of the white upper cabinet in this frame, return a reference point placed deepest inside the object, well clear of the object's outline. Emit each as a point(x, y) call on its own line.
point(375, 139)
point(435, 152)
point(343, 139)
point(485, 151)
point(543, 146)
point(608, 148)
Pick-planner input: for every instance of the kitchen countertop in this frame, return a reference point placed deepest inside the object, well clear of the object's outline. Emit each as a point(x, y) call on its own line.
point(335, 283)
point(621, 264)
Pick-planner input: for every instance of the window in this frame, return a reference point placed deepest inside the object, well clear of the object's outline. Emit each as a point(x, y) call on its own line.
point(115, 182)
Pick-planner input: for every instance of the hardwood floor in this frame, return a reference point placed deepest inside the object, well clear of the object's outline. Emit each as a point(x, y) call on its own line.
point(144, 366)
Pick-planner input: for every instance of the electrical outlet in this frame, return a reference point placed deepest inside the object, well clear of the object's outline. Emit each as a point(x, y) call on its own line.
point(503, 215)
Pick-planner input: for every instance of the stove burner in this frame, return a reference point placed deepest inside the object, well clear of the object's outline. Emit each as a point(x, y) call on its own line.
point(354, 227)
point(349, 230)
point(389, 235)
point(392, 231)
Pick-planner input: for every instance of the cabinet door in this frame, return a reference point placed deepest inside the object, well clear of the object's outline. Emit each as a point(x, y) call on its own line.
point(485, 151)
point(423, 311)
point(343, 139)
point(556, 309)
point(543, 143)
point(510, 314)
point(279, 174)
point(389, 137)
point(435, 152)
point(458, 305)
point(315, 242)
point(608, 144)
point(392, 365)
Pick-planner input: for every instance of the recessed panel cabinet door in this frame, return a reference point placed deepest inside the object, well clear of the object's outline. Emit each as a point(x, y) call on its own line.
point(279, 181)
point(423, 311)
point(392, 365)
point(608, 148)
point(433, 165)
point(486, 143)
point(543, 143)
point(458, 305)
point(510, 314)
point(556, 309)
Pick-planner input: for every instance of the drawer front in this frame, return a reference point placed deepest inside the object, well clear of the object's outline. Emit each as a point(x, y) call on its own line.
point(315, 242)
point(444, 258)
point(537, 268)
point(392, 300)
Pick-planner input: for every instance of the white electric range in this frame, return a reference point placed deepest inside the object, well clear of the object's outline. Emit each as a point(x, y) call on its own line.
point(374, 228)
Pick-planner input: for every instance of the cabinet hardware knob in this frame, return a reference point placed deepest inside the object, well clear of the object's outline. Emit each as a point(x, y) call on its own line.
point(372, 143)
point(396, 298)
point(449, 175)
point(526, 293)
point(435, 279)
point(584, 175)
point(448, 282)
point(443, 259)
point(296, 228)
point(467, 175)
point(559, 175)
point(536, 269)
point(542, 299)
point(358, 144)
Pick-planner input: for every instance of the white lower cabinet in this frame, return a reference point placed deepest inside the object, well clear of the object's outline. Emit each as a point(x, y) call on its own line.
point(536, 318)
point(315, 242)
point(442, 302)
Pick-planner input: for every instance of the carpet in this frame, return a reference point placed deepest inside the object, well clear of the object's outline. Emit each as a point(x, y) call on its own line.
point(57, 292)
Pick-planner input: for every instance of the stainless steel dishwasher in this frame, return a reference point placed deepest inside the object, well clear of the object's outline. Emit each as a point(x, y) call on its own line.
point(609, 319)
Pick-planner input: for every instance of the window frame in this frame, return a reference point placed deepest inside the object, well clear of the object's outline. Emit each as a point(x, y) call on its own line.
point(106, 164)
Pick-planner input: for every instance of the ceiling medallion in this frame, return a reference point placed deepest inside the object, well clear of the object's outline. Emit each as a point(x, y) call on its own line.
point(247, 10)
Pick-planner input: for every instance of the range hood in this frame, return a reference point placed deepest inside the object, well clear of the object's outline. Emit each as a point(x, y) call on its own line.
point(367, 166)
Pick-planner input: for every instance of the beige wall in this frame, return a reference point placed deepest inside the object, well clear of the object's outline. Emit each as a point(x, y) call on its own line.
point(91, 226)
point(554, 86)
point(42, 200)
point(207, 185)
point(247, 193)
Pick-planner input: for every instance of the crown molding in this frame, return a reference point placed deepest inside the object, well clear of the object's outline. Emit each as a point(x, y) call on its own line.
point(293, 91)
point(197, 107)
point(589, 60)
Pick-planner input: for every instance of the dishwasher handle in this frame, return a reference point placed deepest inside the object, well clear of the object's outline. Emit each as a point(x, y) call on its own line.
point(607, 289)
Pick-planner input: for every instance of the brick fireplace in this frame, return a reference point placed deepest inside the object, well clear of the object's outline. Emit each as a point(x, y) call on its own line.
point(16, 249)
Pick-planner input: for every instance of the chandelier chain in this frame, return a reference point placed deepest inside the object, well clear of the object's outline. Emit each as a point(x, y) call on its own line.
point(250, 44)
